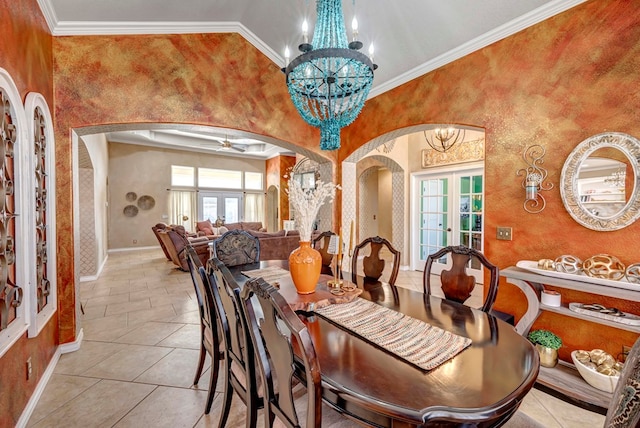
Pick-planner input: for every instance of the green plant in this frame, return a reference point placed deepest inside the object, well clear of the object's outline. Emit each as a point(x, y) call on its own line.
point(545, 338)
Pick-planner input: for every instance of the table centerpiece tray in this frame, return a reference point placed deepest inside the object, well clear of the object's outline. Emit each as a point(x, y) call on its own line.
point(305, 302)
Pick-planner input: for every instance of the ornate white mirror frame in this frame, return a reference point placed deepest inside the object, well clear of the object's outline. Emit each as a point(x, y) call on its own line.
point(630, 147)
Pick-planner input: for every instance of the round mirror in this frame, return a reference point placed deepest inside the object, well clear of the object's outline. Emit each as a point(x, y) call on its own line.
point(599, 184)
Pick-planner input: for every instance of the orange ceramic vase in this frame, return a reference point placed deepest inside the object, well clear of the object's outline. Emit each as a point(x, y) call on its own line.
point(305, 263)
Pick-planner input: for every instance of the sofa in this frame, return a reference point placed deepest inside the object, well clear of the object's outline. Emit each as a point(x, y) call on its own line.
point(173, 240)
point(206, 228)
point(277, 245)
point(273, 245)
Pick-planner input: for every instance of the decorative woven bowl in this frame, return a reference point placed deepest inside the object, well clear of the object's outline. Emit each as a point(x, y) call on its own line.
point(593, 378)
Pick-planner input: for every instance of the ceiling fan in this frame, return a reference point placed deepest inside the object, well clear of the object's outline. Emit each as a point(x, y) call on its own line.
point(228, 145)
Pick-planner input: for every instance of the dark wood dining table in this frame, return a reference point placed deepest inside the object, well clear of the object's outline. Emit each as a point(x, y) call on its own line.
point(481, 386)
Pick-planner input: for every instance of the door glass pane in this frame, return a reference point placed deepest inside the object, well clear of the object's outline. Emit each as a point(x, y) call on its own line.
point(464, 239)
point(465, 186)
point(231, 210)
point(210, 208)
point(476, 223)
point(464, 203)
point(434, 213)
point(464, 221)
point(477, 184)
point(477, 203)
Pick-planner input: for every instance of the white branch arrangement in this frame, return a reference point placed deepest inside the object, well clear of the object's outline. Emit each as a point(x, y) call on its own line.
point(307, 203)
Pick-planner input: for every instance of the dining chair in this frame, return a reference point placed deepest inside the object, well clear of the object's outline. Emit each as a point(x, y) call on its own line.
point(208, 305)
point(278, 335)
point(624, 408)
point(239, 359)
point(236, 247)
point(321, 243)
point(367, 255)
point(457, 285)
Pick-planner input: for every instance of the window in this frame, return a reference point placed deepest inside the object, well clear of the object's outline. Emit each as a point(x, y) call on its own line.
point(253, 181)
point(15, 231)
point(219, 178)
point(43, 295)
point(182, 176)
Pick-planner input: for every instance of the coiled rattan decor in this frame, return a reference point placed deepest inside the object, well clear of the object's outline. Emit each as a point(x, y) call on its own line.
point(10, 293)
point(40, 145)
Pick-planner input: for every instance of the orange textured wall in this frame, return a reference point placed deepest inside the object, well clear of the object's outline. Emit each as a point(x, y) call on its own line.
point(555, 84)
point(276, 168)
point(208, 79)
point(286, 163)
point(26, 55)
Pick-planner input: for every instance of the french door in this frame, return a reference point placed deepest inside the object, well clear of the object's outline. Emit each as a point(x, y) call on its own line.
point(225, 205)
point(447, 209)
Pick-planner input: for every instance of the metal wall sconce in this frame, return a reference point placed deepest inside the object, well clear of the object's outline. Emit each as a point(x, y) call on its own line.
point(534, 179)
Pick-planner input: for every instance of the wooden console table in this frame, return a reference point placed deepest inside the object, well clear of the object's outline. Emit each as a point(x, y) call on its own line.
point(532, 285)
point(564, 381)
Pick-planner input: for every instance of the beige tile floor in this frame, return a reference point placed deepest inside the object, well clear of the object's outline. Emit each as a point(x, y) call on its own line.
point(136, 363)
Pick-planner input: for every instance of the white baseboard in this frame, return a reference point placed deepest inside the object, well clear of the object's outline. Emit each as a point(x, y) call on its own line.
point(97, 275)
point(65, 348)
point(46, 377)
point(121, 250)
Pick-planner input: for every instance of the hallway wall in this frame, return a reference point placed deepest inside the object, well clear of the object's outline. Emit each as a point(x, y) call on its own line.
point(26, 55)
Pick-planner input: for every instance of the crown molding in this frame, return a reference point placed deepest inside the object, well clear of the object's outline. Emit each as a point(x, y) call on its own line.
point(534, 17)
point(78, 28)
point(92, 28)
point(49, 14)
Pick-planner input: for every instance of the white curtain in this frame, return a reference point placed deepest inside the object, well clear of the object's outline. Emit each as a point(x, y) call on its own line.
point(254, 207)
point(182, 208)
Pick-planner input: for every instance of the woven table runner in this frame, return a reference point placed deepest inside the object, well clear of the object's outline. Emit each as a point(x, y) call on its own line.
point(269, 274)
point(413, 340)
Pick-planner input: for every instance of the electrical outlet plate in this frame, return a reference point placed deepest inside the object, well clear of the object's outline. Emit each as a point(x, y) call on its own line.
point(504, 234)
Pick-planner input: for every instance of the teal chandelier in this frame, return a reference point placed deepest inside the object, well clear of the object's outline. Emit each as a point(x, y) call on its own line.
point(330, 81)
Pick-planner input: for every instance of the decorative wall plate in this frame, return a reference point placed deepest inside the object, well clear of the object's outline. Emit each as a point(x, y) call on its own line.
point(131, 196)
point(146, 202)
point(532, 266)
point(130, 211)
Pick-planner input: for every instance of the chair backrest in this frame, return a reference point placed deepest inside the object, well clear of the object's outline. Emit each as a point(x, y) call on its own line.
point(204, 291)
point(237, 345)
point(367, 256)
point(321, 243)
point(457, 285)
point(624, 408)
point(155, 229)
point(273, 334)
point(236, 247)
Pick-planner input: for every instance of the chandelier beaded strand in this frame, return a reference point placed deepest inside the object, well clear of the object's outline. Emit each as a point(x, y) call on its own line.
point(330, 81)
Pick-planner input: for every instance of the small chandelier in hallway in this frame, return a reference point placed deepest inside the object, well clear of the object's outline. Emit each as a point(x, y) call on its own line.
point(330, 81)
point(442, 139)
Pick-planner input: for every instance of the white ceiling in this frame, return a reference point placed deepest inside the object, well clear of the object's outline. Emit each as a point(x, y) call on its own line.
point(411, 37)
